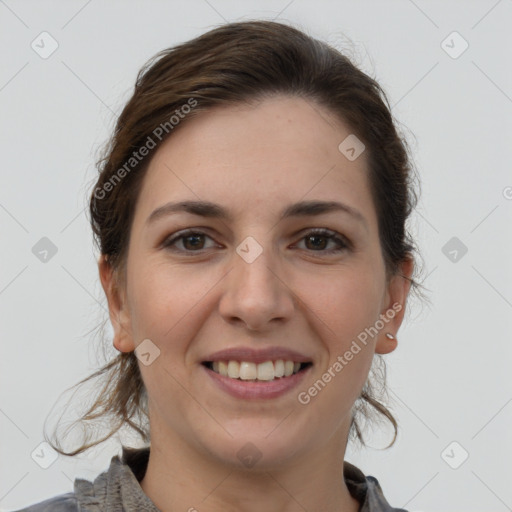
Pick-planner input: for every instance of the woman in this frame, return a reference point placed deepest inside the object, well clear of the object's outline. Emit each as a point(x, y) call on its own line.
point(250, 212)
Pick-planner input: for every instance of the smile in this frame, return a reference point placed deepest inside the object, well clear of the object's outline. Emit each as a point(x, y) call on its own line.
point(249, 371)
point(256, 381)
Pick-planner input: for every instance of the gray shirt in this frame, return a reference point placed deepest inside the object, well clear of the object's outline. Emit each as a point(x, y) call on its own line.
point(118, 489)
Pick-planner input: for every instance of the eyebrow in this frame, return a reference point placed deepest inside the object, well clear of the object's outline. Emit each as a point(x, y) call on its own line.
point(213, 210)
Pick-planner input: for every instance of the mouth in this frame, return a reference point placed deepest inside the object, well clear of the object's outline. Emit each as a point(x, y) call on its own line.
point(265, 371)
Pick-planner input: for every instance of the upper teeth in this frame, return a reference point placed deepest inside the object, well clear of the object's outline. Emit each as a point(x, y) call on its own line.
point(251, 371)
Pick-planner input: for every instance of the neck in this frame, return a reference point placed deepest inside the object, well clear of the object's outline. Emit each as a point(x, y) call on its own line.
point(180, 477)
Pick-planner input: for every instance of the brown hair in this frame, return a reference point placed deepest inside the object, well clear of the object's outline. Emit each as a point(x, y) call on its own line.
point(236, 63)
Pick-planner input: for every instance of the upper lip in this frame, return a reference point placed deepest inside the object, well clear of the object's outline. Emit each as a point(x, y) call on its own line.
point(258, 355)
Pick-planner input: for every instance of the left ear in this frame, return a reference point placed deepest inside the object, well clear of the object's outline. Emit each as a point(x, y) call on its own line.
point(396, 298)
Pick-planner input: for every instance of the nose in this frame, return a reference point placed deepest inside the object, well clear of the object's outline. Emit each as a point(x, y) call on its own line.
point(255, 295)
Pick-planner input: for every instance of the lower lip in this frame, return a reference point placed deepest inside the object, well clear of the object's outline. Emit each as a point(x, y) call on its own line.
point(257, 389)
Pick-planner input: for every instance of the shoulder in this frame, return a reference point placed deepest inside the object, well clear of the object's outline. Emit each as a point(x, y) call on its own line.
point(367, 490)
point(376, 499)
point(61, 503)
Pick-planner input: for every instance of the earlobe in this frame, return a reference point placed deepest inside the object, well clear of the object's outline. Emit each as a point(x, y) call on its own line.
point(119, 317)
point(393, 314)
point(387, 344)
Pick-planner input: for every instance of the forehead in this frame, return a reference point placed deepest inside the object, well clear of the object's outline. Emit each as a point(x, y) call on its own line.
point(256, 159)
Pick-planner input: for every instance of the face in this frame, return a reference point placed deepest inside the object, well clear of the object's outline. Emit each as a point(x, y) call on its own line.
point(302, 287)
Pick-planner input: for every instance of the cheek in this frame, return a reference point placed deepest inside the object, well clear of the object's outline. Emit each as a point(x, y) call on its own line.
point(346, 306)
point(165, 303)
point(345, 300)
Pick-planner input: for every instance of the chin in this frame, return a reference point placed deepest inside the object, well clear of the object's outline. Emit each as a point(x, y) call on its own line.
point(257, 450)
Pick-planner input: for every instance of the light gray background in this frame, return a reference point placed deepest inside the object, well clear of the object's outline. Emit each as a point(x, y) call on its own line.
point(450, 377)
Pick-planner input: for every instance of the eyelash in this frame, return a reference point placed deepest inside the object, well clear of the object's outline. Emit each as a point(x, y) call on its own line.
point(343, 243)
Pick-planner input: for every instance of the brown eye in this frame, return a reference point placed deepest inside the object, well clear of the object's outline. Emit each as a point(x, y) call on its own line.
point(193, 241)
point(319, 240)
point(316, 241)
point(187, 241)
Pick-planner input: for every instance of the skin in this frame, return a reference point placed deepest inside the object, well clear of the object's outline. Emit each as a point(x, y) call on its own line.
point(253, 160)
